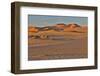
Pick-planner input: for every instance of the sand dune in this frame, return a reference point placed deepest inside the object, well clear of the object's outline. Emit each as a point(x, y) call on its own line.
point(60, 41)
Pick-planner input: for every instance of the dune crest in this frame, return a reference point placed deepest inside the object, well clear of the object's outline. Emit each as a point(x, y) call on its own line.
point(71, 27)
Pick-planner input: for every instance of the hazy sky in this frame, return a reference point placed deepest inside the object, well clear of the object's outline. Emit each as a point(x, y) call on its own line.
point(46, 20)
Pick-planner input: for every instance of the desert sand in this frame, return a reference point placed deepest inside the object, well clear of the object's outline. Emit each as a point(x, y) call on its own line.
point(60, 42)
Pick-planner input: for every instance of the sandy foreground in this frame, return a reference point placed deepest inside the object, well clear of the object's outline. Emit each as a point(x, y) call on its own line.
point(74, 46)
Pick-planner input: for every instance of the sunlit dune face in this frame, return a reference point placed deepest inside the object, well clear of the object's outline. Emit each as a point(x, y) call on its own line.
point(32, 29)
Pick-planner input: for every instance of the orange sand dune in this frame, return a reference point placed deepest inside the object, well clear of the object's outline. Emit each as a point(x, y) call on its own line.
point(61, 41)
point(32, 29)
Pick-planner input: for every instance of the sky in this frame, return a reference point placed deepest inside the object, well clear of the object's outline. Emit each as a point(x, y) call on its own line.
point(47, 20)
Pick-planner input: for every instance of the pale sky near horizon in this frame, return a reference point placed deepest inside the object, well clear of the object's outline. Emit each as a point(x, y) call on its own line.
point(47, 20)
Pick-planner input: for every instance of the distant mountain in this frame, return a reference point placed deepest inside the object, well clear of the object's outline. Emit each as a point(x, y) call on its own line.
point(60, 25)
point(72, 27)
